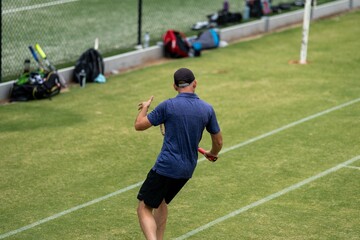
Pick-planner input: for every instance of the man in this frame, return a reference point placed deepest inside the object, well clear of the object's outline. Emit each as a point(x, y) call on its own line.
point(185, 117)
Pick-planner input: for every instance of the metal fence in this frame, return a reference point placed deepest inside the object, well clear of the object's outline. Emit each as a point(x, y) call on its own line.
point(66, 28)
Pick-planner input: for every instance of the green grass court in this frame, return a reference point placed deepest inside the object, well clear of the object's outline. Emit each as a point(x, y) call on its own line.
point(71, 167)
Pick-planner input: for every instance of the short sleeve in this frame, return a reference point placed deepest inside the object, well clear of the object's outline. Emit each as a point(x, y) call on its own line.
point(213, 126)
point(157, 116)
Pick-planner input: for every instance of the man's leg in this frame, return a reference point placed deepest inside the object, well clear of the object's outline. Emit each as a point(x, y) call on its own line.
point(147, 221)
point(160, 216)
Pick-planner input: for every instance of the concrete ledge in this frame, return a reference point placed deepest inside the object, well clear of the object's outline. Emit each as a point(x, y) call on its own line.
point(133, 59)
point(138, 57)
point(284, 20)
point(330, 9)
point(241, 31)
point(354, 4)
point(5, 90)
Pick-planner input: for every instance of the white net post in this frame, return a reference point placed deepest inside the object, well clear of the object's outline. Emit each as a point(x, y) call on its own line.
point(305, 32)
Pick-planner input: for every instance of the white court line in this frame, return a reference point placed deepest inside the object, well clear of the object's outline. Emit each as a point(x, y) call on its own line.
point(353, 167)
point(69, 211)
point(290, 125)
point(201, 159)
point(36, 6)
point(268, 198)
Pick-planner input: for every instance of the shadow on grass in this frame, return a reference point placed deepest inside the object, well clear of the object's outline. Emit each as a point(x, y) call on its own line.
point(34, 117)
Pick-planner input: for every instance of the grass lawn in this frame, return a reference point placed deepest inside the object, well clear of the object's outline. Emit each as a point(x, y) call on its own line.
point(81, 146)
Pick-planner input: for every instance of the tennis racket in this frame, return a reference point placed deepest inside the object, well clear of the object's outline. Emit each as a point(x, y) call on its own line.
point(39, 63)
point(43, 55)
point(203, 152)
point(49, 64)
point(162, 129)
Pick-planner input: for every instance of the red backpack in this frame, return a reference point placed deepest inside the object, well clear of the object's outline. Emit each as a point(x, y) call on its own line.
point(175, 44)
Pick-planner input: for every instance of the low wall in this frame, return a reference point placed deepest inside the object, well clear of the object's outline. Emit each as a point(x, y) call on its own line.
point(231, 34)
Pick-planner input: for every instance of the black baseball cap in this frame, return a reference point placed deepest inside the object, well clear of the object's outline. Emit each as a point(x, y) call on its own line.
point(183, 77)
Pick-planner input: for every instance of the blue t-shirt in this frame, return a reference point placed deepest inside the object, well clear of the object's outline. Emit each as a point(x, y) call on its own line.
point(185, 117)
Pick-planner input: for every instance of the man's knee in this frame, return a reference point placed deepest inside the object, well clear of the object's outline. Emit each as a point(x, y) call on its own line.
point(143, 207)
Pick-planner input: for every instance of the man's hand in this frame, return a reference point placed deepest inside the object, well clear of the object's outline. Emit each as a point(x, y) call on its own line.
point(146, 104)
point(208, 155)
point(141, 121)
point(211, 157)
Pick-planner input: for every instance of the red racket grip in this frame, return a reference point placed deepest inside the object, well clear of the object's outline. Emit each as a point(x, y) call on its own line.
point(211, 158)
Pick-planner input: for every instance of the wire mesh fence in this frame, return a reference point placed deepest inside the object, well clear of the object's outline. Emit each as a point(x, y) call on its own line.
point(66, 28)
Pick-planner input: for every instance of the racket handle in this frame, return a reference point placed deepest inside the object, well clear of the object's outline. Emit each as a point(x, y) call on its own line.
point(202, 151)
point(33, 54)
point(40, 51)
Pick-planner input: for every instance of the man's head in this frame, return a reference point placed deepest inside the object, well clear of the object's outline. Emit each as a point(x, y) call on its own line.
point(183, 77)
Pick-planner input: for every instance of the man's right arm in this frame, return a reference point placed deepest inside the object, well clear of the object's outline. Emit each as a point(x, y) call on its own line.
point(217, 143)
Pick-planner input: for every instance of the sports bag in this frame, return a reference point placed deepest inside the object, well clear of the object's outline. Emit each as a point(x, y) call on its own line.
point(37, 87)
point(90, 64)
point(175, 44)
point(50, 87)
point(206, 40)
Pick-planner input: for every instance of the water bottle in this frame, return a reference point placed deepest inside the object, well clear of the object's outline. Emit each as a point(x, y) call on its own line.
point(226, 6)
point(146, 40)
point(24, 77)
point(27, 66)
point(246, 12)
point(82, 78)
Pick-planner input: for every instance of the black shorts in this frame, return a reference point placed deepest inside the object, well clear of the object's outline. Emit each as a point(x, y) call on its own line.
point(156, 188)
